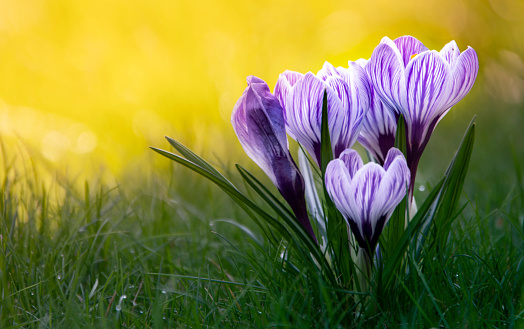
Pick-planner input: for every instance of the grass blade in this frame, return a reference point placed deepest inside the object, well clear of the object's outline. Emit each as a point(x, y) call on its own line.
point(397, 221)
point(336, 225)
point(452, 187)
point(284, 213)
point(396, 256)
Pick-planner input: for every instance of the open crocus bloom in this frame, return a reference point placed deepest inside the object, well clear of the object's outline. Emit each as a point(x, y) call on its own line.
point(367, 194)
point(420, 84)
point(379, 126)
point(301, 96)
point(258, 121)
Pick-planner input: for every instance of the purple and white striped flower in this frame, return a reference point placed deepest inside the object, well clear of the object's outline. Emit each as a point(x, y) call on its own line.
point(378, 127)
point(258, 121)
point(367, 194)
point(301, 96)
point(420, 84)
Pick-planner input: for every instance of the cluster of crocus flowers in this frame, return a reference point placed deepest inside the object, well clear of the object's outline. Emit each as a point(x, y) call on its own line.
point(364, 102)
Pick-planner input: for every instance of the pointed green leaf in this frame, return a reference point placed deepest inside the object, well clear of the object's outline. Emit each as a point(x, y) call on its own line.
point(336, 225)
point(326, 152)
point(191, 156)
point(452, 187)
point(284, 213)
point(396, 255)
point(397, 221)
point(232, 191)
point(249, 207)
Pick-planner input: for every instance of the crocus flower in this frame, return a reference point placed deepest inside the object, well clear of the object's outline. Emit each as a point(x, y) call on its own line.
point(367, 194)
point(420, 84)
point(258, 121)
point(378, 127)
point(301, 96)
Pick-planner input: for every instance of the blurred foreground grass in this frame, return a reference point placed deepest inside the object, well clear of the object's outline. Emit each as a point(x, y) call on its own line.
point(163, 248)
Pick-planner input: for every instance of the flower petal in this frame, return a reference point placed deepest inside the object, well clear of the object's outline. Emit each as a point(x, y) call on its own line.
point(450, 52)
point(394, 184)
point(303, 112)
point(360, 97)
point(464, 75)
point(285, 81)
point(272, 108)
point(361, 62)
point(428, 83)
point(386, 73)
point(392, 154)
point(409, 46)
point(379, 127)
point(338, 184)
point(352, 161)
point(364, 189)
point(327, 70)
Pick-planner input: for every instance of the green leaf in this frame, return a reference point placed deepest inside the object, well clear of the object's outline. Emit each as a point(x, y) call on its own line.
point(313, 201)
point(336, 225)
point(395, 257)
point(286, 215)
point(400, 137)
point(247, 205)
point(191, 156)
point(326, 152)
point(397, 220)
point(275, 204)
point(452, 187)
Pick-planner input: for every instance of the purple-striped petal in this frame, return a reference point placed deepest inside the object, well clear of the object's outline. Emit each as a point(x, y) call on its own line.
point(352, 161)
point(303, 112)
point(347, 96)
point(354, 92)
point(386, 73)
point(272, 108)
point(378, 130)
point(379, 125)
point(284, 83)
point(392, 155)
point(327, 70)
point(338, 181)
point(360, 97)
point(450, 52)
point(428, 83)
point(394, 184)
point(464, 75)
point(408, 47)
point(364, 189)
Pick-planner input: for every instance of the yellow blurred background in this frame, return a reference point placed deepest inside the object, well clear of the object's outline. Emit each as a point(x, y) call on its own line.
point(91, 84)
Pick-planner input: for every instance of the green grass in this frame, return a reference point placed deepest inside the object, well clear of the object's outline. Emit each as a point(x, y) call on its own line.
point(166, 249)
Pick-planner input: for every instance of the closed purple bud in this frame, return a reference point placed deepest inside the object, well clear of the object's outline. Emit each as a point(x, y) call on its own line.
point(258, 122)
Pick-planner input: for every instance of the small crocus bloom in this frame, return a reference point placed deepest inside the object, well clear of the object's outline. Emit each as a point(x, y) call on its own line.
point(420, 84)
point(301, 96)
point(378, 127)
point(258, 121)
point(367, 194)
